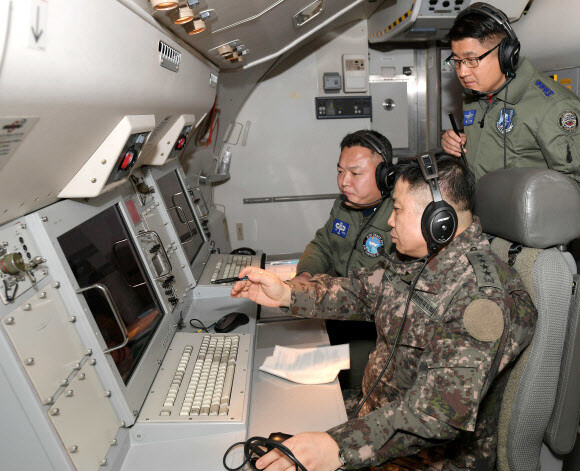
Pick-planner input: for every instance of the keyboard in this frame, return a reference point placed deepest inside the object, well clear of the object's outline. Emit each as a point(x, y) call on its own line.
point(231, 266)
point(203, 378)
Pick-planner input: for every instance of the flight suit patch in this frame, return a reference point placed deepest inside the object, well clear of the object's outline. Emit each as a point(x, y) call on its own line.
point(372, 243)
point(547, 91)
point(568, 121)
point(468, 117)
point(340, 228)
point(506, 120)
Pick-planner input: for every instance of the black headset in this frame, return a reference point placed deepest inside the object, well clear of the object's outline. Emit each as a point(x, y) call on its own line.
point(509, 49)
point(439, 220)
point(385, 172)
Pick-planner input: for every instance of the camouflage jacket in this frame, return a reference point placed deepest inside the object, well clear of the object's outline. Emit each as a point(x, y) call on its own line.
point(330, 249)
point(467, 306)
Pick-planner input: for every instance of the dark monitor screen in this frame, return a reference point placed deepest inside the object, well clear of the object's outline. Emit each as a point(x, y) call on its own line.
point(100, 250)
point(177, 201)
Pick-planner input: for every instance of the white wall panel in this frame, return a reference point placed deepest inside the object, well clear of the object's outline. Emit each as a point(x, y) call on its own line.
point(289, 152)
point(100, 62)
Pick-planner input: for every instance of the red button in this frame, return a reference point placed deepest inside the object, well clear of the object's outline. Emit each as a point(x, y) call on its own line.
point(180, 143)
point(127, 160)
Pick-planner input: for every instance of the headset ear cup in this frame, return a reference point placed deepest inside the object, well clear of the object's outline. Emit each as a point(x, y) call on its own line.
point(381, 176)
point(508, 55)
point(438, 225)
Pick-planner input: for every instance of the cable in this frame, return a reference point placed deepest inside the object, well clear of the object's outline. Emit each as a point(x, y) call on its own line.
point(411, 291)
point(252, 452)
point(201, 326)
point(504, 128)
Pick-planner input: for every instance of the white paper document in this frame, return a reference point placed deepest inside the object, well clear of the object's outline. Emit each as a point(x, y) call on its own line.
point(308, 365)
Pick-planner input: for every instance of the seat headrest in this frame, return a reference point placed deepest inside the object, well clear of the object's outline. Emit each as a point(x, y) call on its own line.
point(534, 207)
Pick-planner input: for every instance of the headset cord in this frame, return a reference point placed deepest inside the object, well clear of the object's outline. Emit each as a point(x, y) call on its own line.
point(504, 128)
point(365, 225)
point(252, 451)
point(408, 303)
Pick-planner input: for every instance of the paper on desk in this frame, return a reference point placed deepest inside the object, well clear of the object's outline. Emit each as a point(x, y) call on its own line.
point(308, 365)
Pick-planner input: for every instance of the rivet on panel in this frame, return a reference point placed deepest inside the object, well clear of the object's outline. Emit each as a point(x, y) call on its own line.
point(104, 161)
point(77, 366)
point(89, 352)
point(22, 226)
point(44, 219)
point(162, 154)
point(122, 423)
point(45, 272)
point(64, 382)
point(69, 393)
point(9, 320)
point(73, 449)
point(82, 376)
point(113, 442)
point(93, 180)
point(104, 462)
point(107, 393)
point(93, 362)
point(27, 307)
point(56, 285)
point(29, 361)
point(54, 411)
point(42, 295)
point(73, 319)
point(49, 400)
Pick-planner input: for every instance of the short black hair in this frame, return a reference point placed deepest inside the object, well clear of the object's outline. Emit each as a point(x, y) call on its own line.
point(361, 138)
point(478, 26)
point(456, 180)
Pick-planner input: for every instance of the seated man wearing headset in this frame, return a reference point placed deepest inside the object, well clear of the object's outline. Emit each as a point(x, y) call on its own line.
point(450, 322)
point(513, 115)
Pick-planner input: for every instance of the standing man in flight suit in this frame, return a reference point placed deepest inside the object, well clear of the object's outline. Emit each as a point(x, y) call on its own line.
point(354, 235)
point(452, 321)
point(513, 115)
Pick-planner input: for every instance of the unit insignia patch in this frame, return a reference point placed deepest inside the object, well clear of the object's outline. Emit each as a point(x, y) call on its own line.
point(340, 228)
point(372, 243)
point(468, 117)
point(506, 121)
point(568, 121)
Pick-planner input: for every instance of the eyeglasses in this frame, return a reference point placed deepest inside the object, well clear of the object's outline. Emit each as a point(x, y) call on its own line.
point(470, 62)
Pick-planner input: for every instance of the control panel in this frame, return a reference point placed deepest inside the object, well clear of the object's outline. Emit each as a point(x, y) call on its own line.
point(343, 107)
point(128, 157)
point(355, 73)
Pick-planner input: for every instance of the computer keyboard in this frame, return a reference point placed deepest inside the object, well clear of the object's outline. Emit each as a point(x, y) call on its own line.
point(203, 377)
point(231, 267)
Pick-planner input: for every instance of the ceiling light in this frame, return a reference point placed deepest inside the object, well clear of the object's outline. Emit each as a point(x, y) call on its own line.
point(195, 27)
point(163, 4)
point(181, 15)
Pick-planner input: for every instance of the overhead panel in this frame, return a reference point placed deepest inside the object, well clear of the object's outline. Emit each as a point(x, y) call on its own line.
point(238, 34)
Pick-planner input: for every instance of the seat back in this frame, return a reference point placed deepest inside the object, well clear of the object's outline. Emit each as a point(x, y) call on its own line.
point(535, 213)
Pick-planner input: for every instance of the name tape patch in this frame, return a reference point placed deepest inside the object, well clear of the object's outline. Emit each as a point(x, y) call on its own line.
point(340, 228)
point(547, 91)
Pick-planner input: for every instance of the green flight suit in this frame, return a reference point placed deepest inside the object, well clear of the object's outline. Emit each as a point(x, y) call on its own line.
point(542, 126)
point(330, 249)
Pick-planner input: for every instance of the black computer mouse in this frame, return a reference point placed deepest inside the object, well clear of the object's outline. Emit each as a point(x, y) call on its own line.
point(230, 321)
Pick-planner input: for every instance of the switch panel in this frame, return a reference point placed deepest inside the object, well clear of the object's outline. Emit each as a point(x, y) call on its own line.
point(343, 107)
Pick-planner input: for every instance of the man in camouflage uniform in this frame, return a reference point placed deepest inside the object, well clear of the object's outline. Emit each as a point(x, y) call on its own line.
point(469, 318)
point(536, 115)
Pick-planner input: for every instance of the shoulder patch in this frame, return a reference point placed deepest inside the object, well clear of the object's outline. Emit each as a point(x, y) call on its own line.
point(483, 320)
point(372, 243)
point(340, 228)
point(546, 91)
point(568, 121)
point(485, 270)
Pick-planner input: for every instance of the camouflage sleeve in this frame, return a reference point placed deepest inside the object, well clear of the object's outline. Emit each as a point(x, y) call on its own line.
point(559, 138)
point(317, 256)
point(327, 297)
point(443, 400)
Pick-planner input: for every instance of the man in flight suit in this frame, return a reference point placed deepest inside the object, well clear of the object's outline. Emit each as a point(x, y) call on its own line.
point(509, 107)
point(356, 228)
point(468, 319)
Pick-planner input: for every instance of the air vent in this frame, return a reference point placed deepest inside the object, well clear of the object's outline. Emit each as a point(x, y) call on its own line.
point(169, 57)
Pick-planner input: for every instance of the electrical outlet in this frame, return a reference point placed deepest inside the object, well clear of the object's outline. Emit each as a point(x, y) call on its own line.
point(240, 230)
